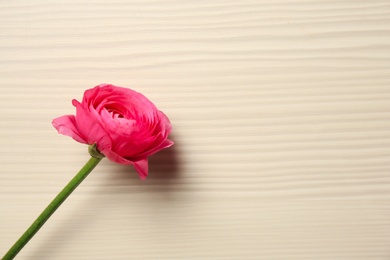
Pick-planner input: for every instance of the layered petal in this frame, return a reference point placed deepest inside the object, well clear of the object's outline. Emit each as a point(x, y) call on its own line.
point(113, 156)
point(88, 123)
point(142, 167)
point(66, 125)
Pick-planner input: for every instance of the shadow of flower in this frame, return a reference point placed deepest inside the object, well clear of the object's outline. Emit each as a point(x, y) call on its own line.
point(165, 164)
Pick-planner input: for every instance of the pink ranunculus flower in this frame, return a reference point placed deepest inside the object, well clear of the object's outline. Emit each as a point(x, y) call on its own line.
point(125, 126)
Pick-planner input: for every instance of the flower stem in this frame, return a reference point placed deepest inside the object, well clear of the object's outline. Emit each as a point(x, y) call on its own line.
point(51, 208)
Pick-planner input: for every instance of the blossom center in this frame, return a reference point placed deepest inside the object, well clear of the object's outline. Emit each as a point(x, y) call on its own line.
point(114, 113)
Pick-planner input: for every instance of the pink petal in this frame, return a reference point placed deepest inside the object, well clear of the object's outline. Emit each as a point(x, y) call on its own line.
point(166, 123)
point(90, 127)
point(90, 95)
point(133, 145)
point(142, 168)
point(66, 125)
point(113, 156)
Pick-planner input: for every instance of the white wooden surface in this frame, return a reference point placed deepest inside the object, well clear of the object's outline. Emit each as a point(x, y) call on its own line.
point(281, 119)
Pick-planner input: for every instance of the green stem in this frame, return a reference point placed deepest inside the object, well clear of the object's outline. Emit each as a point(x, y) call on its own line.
point(51, 208)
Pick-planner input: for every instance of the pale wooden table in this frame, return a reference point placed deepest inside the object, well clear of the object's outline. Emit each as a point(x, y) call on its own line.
point(281, 119)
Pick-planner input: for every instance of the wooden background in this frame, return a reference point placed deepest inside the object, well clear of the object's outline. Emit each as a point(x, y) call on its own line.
point(280, 113)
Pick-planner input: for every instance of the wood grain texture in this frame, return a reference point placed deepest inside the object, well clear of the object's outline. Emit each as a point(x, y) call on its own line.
point(281, 119)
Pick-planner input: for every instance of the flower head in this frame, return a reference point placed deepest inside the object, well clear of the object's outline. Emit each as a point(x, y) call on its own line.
point(125, 126)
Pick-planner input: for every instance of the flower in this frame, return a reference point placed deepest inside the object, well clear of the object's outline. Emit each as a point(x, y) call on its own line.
point(125, 126)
